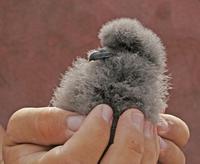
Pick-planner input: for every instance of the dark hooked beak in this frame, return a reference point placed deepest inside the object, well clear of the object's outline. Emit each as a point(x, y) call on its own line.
point(98, 55)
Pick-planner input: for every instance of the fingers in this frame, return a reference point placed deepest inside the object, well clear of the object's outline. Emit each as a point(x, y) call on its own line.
point(176, 133)
point(88, 143)
point(173, 129)
point(43, 126)
point(128, 142)
point(151, 144)
point(170, 153)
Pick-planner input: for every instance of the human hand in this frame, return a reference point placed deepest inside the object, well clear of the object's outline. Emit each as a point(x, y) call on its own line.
point(46, 126)
point(174, 134)
point(135, 142)
point(31, 134)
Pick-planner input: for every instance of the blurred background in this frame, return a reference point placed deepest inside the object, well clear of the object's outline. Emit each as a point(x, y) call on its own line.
point(39, 39)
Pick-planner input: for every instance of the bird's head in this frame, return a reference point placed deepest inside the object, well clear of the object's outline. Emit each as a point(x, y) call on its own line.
point(129, 35)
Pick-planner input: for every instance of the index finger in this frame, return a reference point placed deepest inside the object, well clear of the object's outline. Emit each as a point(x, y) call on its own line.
point(42, 126)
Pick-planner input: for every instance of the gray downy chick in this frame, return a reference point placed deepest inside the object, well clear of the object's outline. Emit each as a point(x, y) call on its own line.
point(129, 71)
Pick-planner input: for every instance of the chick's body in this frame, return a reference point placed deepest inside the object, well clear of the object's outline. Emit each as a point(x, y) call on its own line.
point(133, 76)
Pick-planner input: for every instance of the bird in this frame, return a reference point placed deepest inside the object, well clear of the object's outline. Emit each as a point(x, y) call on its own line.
point(128, 70)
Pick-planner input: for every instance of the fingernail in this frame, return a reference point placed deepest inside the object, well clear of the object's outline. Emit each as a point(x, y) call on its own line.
point(163, 144)
point(74, 122)
point(138, 119)
point(148, 129)
point(107, 112)
point(162, 126)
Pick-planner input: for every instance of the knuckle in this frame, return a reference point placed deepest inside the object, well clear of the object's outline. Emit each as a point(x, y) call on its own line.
point(43, 124)
point(49, 122)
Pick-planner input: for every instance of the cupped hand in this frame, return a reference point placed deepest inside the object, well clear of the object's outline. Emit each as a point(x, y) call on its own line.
point(51, 135)
point(46, 136)
point(135, 142)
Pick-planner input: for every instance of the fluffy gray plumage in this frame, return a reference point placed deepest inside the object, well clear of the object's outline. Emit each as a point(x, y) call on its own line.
point(134, 76)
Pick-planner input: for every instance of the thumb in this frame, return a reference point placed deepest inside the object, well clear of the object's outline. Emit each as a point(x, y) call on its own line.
point(88, 143)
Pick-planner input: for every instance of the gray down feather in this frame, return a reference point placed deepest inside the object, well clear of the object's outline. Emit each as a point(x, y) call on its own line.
point(134, 76)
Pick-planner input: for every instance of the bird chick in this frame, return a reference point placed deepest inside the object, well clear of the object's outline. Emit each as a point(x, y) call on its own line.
point(129, 71)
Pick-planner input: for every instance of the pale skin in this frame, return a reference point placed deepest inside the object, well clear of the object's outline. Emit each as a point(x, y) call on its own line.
point(77, 139)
